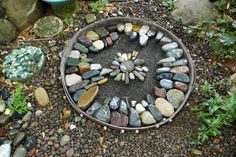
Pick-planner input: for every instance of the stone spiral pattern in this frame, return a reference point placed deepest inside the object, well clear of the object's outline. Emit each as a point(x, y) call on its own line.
point(83, 78)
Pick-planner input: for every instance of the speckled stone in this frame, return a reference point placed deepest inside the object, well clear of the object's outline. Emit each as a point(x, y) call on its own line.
point(103, 114)
point(177, 53)
point(93, 108)
point(102, 32)
point(167, 84)
point(180, 69)
point(168, 76)
point(181, 62)
point(119, 119)
point(175, 97)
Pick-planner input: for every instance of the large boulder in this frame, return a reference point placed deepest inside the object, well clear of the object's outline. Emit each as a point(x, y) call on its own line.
point(23, 13)
point(193, 11)
point(7, 31)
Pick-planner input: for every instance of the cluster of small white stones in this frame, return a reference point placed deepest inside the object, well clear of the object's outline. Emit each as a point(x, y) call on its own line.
point(127, 66)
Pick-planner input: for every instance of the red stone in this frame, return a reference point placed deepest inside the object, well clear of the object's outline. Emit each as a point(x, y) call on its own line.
point(109, 41)
point(32, 152)
point(180, 69)
point(181, 86)
point(119, 119)
point(2, 132)
point(160, 92)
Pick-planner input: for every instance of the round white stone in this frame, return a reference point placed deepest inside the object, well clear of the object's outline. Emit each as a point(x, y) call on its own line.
point(99, 44)
point(73, 79)
point(95, 66)
point(74, 54)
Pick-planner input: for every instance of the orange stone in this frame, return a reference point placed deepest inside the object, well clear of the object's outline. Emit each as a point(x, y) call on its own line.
point(83, 67)
point(136, 28)
point(180, 69)
point(87, 98)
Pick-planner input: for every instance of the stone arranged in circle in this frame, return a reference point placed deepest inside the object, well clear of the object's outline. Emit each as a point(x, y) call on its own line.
point(172, 72)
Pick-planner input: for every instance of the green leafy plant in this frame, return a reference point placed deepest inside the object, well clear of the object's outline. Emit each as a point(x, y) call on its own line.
point(19, 104)
point(169, 4)
point(97, 5)
point(215, 112)
point(220, 33)
point(207, 88)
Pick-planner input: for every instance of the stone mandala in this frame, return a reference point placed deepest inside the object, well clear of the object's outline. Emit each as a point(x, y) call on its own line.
point(83, 78)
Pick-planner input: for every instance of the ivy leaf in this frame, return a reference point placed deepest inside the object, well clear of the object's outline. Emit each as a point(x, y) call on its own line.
point(234, 24)
point(227, 39)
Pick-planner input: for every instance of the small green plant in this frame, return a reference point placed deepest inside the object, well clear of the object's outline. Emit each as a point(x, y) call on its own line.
point(216, 112)
point(97, 5)
point(207, 88)
point(19, 104)
point(169, 4)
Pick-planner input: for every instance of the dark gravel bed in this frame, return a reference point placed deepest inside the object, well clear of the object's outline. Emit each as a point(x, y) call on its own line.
point(89, 138)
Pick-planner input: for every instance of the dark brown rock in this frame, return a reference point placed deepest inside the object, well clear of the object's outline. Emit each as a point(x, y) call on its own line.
point(160, 92)
point(85, 41)
point(78, 86)
point(111, 28)
point(181, 86)
point(119, 119)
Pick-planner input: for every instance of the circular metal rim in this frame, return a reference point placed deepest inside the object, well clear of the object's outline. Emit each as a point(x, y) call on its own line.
point(112, 21)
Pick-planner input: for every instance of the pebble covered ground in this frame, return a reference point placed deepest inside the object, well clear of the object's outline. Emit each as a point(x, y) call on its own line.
point(58, 136)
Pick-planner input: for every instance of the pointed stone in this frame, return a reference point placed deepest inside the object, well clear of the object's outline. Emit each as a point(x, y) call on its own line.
point(78, 86)
point(90, 74)
point(105, 71)
point(155, 112)
point(150, 99)
point(147, 118)
point(77, 94)
point(123, 108)
point(134, 119)
point(87, 98)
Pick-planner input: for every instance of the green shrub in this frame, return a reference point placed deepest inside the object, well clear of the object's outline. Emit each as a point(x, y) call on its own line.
point(216, 112)
point(19, 104)
point(169, 4)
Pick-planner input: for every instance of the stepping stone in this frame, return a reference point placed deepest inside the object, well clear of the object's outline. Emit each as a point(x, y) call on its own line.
point(87, 98)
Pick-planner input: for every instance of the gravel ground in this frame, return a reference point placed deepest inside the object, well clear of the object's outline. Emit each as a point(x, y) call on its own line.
point(89, 139)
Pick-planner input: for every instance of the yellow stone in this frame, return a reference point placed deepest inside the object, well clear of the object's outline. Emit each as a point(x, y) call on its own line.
point(41, 96)
point(129, 55)
point(136, 28)
point(103, 81)
point(87, 98)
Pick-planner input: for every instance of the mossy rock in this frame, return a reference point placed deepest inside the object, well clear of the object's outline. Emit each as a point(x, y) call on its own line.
point(48, 26)
point(7, 31)
point(64, 11)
